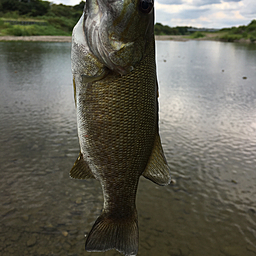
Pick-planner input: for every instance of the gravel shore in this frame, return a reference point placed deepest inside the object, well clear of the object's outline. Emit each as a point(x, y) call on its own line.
point(181, 38)
point(68, 38)
point(37, 38)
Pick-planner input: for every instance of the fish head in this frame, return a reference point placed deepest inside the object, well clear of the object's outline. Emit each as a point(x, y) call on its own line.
point(117, 31)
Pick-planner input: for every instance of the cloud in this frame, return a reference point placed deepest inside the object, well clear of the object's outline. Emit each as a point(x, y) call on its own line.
point(66, 2)
point(249, 9)
point(231, 0)
point(172, 2)
point(204, 2)
point(205, 13)
point(199, 13)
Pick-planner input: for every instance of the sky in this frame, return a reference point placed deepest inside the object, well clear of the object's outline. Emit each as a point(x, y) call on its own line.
point(199, 13)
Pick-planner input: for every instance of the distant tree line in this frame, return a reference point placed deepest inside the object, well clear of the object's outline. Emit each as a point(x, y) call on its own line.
point(35, 8)
point(227, 34)
point(24, 7)
point(166, 30)
point(60, 19)
point(63, 16)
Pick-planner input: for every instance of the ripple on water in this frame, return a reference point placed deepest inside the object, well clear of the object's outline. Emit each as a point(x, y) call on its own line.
point(207, 127)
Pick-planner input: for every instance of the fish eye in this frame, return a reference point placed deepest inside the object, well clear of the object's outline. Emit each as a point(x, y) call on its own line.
point(146, 5)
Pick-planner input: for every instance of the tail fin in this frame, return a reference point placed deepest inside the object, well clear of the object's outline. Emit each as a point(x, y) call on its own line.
point(109, 232)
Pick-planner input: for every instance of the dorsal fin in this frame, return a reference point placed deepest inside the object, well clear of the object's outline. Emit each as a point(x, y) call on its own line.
point(157, 169)
point(80, 169)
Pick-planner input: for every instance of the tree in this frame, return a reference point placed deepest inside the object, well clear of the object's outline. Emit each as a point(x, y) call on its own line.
point(79, 7)
point(26, 7)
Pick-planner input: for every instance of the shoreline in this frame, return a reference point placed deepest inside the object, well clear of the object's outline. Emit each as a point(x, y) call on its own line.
point(207, 37)
point(37, 38)
point(181, 38)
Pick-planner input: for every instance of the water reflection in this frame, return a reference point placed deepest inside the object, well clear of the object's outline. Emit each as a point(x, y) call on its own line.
point(208, 125)
point(208, 129)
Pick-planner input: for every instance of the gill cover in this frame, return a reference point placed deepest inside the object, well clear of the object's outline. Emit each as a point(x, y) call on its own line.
point(117, 31)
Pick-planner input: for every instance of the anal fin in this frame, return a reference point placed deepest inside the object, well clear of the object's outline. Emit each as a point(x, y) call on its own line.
point(81, 170)
point(157, 169)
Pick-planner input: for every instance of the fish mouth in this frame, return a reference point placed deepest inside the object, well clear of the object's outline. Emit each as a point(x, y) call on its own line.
point(106, 28)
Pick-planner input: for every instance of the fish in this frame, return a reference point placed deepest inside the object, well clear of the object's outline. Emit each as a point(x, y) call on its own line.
point(116, 97)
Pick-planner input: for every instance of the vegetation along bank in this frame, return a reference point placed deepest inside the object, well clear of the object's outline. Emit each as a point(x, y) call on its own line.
point(26, 18)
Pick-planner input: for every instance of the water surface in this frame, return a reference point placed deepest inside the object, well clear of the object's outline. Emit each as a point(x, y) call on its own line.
point(208, 130)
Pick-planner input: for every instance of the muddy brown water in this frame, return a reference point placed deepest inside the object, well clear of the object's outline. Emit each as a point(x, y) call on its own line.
point(208, 129)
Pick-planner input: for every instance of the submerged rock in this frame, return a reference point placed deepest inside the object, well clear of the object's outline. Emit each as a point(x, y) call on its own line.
point(64, 233)
point(31, 241)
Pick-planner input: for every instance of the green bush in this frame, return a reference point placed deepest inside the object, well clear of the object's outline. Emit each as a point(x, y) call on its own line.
point(1, 23)
point(253, 37)
point(244, 35)
point(230, 37)
point(11, 15)
point(17, 30)
point(61, 10)
point(251, 27)
point(197, 34)
point(62, 23)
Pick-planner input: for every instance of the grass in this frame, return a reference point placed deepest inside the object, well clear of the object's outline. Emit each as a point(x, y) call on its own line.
point(55, 26)
point(30, 30)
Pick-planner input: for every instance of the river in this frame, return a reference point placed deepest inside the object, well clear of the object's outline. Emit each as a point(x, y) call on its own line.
point(208, 130)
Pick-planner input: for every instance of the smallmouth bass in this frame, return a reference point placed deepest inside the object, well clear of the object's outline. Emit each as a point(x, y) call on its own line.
point(116, 97)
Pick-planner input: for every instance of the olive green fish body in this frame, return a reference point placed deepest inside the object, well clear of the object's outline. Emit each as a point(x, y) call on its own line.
point(117, 124)
point(117, 119)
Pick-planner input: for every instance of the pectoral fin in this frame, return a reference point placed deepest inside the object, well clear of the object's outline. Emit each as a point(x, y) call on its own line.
point(74, 86)
point(157, 169)
point(81, 170)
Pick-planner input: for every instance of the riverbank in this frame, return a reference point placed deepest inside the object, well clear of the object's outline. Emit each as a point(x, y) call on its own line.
point(208, 36)
point(37, 38)
point(69, 38)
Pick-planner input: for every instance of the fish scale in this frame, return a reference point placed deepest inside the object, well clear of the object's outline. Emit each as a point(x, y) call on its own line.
point(113, 96)
point(117, 117)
